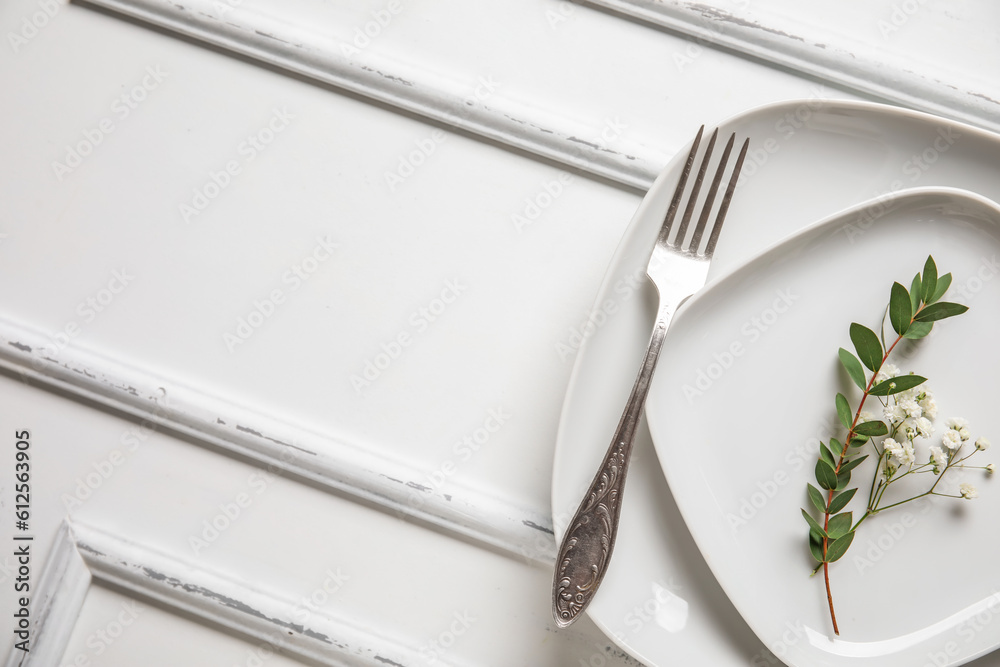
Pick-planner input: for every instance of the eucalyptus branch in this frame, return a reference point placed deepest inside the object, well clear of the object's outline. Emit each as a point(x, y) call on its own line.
point(908, 410)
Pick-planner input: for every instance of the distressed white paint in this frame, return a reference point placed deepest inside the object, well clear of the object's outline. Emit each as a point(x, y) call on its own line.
point(301, 49)
point(931, 55)
point(84, 556)
point(276, 445)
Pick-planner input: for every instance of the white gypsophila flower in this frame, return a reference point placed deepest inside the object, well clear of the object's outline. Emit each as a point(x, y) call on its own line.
point(893, 447)
point(990, 468)
point(964, 434)
point(951, 439)
point(938, 457)
point(865, 416)
point(968, 491)
point(894, 414)
point(929, 406)
point(956, 423)
point(908, 457)
point(924, 427)
point(885, 372)
point(910, 407)
point(982, 444)
point(909, 428)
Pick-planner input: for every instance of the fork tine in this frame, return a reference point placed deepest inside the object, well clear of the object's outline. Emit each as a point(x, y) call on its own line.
point(693, 200)
point(699, 229)
point(724, 208)
point(668, 220)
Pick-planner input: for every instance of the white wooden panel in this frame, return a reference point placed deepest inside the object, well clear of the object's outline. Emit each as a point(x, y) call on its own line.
point(117, 629)
point(555, 79)
point(378, 585)
point(935, 55)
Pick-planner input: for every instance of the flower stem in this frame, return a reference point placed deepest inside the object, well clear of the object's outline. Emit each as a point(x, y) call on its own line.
point(840, 462)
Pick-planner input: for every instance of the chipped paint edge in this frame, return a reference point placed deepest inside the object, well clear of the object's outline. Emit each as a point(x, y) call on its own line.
point(278, 446)
point(84, 555)
point(858, 71)
point(412, 89)
point(55, 604)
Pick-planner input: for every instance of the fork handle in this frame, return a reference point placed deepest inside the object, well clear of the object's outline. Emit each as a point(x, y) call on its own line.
point(586, 546)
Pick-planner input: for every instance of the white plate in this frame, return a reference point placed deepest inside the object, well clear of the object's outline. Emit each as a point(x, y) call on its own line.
point(808, 160)
point(746, 383)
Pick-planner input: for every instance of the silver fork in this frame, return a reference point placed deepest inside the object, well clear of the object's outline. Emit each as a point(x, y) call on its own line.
point(678, 268)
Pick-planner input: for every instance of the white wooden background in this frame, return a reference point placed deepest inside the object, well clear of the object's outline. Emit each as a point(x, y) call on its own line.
point(435, 188)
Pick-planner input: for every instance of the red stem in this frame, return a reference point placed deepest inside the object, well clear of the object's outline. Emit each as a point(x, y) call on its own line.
point(840, 462)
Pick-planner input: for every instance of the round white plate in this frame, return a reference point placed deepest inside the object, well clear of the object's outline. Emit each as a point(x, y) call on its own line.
point(745, 390)
point(807, 161)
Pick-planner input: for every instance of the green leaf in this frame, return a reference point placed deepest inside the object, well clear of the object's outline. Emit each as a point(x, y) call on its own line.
point(871, 428)
point(816, 546)
point(838, 547)
point(943, 283)
point(836, 447)
point(918, 330)
point(928, 281)
point(848, 466)
point(825, 475)
point(843, 410)
point(868, 346)
point(839, 525)
point(816, 496)
point(858, 440)
point(814, 525)
point(915, 294)
point(843, 479)
point(900, 311)
point(827, 455)
point(840, 501)
point(939, 311)
point(897, 384)
point(853, 368)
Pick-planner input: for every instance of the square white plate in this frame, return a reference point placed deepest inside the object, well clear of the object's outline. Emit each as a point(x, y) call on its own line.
point(746, 380)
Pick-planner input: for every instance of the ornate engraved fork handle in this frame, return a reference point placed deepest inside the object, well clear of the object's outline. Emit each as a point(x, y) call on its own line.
point(590, 538)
